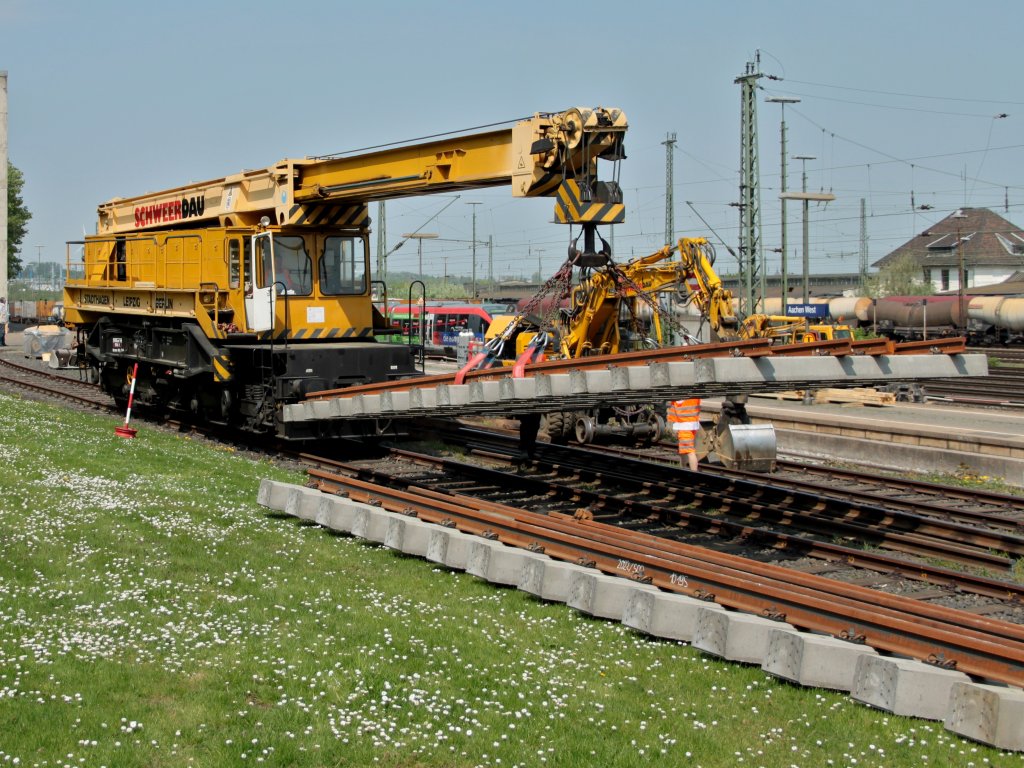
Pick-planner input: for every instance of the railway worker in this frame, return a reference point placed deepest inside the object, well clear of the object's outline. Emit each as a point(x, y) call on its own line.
point(5, 317)
point(684, 416)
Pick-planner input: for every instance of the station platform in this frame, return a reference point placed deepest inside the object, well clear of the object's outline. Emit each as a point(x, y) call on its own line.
point(919, 437)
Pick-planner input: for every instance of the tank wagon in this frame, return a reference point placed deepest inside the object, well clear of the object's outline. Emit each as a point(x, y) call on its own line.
point(983, 320)
point(238, 295)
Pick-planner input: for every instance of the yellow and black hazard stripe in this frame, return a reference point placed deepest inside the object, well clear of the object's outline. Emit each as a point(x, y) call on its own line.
point(570, 208)
point(544, 185)
point(319, 334)
point(330, 215)
point(223, 369)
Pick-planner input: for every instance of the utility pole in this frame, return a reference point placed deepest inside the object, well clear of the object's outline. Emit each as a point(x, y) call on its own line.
point(3, 183)
point(863, 265)
point(750, 187)
point(382, 243)
point(806, 197)
point(490, 259)
point(419, 237)
point(782, 101)
point(39, 266)
point(670, 227)
point(960, 280)
point(474, 203)
point(807, 243)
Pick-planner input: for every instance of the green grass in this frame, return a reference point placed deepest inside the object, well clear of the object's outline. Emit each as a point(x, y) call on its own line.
point(151, 614)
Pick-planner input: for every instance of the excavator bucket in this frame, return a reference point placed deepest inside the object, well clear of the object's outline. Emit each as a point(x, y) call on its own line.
point(750, 447)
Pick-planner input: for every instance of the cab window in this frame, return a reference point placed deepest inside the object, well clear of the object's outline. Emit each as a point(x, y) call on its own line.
point(342, 267)
point(234, 263)
point(293, 267)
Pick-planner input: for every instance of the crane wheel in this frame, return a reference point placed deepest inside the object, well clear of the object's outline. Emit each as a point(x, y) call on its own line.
point(585, 430)
point(657, 428)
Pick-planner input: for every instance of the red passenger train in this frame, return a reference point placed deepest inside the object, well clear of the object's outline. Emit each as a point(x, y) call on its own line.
point(436, 326)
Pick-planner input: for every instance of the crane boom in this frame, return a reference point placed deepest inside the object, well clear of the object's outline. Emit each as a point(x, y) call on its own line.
point(547, 155)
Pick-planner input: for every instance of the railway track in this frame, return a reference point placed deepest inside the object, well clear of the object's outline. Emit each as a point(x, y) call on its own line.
point(61, 387)
point(714, 539)
point(971, 506)
point(817, 533)
point(1012, 355)
point(1003, 387)
point(916, 626)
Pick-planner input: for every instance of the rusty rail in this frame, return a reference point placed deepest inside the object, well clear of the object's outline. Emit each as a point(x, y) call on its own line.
point(744, 348)
point(955, 639)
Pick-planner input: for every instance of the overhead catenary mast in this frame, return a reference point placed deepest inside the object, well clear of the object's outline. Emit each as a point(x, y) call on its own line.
point(670, 145)
point(751, 263)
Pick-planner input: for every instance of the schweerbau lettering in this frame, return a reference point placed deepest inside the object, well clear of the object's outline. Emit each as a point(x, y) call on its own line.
point(170, 211)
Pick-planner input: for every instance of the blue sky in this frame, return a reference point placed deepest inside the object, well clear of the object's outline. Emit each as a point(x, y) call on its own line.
point(898, 104)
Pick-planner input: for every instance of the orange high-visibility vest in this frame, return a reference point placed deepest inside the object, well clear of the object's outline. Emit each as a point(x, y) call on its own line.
point(684, 414)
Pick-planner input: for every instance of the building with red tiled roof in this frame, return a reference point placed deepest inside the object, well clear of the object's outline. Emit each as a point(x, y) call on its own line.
point(991, 247)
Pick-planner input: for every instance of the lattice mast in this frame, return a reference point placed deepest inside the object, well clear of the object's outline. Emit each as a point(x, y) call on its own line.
point(751, 261)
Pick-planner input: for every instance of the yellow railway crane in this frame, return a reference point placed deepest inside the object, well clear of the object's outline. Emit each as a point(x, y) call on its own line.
point(239, 294)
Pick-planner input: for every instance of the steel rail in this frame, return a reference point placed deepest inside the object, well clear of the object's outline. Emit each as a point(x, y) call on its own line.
point(698, 523)
point(781, 505)
point(978, 646)
point(1001, 501)
point(881, 489)
point(931, 509)
point(745, 348)
point(28, 378)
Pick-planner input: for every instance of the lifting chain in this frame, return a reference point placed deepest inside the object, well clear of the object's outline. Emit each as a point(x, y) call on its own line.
point(557, 286)
point(622, 279)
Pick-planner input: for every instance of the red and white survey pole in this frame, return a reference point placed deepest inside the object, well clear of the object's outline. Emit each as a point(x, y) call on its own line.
point(127, 431)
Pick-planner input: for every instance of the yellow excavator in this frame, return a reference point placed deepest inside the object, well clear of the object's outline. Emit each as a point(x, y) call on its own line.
point(613, 308)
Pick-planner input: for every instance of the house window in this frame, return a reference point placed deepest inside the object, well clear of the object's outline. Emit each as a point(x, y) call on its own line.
point(945, 280)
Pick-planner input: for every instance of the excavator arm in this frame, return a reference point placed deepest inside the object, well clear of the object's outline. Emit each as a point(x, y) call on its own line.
point(592, 326)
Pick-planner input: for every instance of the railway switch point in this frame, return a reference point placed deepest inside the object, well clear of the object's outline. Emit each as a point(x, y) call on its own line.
point(817, 661)
point(735, 636)
point(664, 614)
point(987, 713)
point(905, 686)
